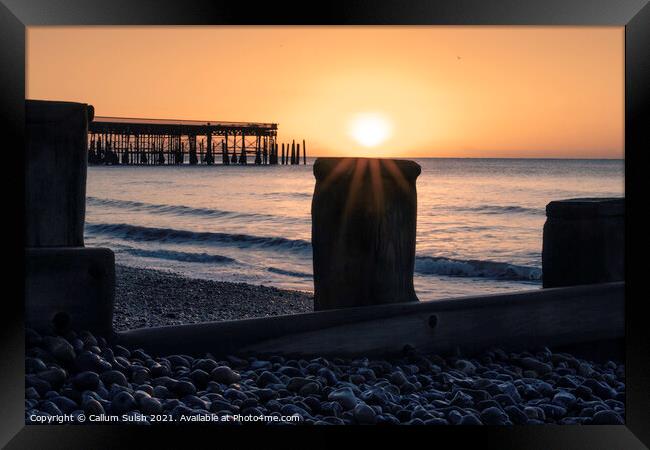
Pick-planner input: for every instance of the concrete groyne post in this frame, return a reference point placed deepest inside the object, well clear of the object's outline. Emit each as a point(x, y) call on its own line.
point(66, 285)
point(363, 231)
point(584, 242)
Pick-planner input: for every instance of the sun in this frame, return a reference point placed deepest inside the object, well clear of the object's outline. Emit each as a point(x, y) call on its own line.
point(370, 129)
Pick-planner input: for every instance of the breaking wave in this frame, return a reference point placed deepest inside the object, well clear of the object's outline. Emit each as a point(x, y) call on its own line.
point(431, 265)
point(149, 234)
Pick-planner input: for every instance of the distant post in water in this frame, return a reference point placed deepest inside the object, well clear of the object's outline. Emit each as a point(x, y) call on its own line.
point(304, 152)
point(258, 152)
point(584, 242)
point(193, 158)
point(283, 153)
point(224, 153)
point(208, 153)
point(363, 231)
point(242, 156)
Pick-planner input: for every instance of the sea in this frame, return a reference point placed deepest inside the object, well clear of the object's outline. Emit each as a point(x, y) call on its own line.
point(479, 221)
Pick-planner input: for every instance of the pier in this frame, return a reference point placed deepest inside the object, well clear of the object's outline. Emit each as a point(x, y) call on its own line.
point(144, 142)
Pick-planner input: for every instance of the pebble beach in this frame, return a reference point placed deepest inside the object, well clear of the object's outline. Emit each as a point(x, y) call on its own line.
point(88, 380)
point(151, 298)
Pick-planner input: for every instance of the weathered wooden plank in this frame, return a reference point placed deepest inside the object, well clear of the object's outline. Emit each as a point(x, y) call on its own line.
point(557, 316)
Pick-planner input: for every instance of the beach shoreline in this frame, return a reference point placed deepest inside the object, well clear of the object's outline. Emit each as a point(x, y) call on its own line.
point(151, 298)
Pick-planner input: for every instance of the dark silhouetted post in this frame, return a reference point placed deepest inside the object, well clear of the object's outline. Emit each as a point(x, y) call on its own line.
point(584, 242)
point(283, 153)
point(209, 159)
point(304, 152)
point(258, 152)
point(363, 231)
point(193, 159)
point(242, 156)
point(55, 173)
point(224, 153)
point(125, 156)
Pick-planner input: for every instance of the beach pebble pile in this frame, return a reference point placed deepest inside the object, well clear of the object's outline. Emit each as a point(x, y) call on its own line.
point(153, 298)
point(81, 375)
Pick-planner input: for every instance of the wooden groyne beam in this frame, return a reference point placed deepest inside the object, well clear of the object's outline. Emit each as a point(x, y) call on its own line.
point(521, 320)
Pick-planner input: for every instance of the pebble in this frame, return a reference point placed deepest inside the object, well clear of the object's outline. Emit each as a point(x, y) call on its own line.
point(344, 397)
point(565, 399)
point(540, 367)
point(310, 388)
point(34, 365)
point(466, 367)
point(54, 376)
point(122, 402)
point(93, 406)
point(494, 416)
point(364, 414)
point(183, 388)
point(86, 381)
point(470, 419)
point(114, 377)
point(88, 360)
point(225, 375)
point(60, 348)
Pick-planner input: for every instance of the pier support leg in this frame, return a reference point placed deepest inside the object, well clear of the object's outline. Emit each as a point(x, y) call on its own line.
point(363, 231)
point(209, 159)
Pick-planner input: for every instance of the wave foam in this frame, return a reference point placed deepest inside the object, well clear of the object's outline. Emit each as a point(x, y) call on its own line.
point(179, 256)
point(502, 209)
point(430, 265)
point(140, 233)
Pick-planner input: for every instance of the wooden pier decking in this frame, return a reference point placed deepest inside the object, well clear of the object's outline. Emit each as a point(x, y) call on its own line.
point(137, 141)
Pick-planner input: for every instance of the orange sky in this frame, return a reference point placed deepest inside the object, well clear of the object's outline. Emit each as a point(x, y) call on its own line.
point(444, 91)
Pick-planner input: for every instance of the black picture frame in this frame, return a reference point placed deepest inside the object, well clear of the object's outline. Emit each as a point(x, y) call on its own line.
point(634, 15)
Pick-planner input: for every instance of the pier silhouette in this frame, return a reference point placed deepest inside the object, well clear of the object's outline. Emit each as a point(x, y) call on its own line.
point(137, 141)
